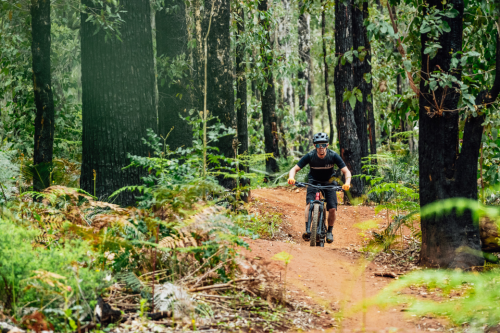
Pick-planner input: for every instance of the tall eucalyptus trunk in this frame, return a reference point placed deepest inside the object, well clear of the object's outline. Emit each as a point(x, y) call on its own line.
point(42, 88)
point(325, 69)
point(118, 101)
point(359, 71)
point(350, 149)
point(174, 97)
point(446, 171)
point(219, 80)
point(304, 75)
point(271, 139)
point(286, 45)
point(367, 87)
point(241, 87)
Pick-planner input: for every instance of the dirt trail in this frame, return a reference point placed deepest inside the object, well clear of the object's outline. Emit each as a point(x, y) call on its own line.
point(329, 275)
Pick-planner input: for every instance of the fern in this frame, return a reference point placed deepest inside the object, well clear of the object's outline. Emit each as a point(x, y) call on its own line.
point(132, 281)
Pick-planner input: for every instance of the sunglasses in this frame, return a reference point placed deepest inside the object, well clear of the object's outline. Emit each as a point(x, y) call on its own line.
point(321, 145)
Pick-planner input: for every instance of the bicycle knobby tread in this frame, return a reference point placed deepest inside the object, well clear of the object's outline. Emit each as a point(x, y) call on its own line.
point(314, 224)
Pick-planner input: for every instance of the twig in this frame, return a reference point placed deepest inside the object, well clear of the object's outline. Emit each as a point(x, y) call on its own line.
point(401, 49)
point(215, 296)
point(206, 261)
point(210, 271)
point(221, 285)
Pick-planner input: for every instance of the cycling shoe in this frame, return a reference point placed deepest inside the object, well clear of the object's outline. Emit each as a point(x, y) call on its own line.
point(306, 236)
point(329, 238)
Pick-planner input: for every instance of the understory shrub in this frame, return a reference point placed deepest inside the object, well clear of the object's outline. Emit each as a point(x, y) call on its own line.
point(34, 276)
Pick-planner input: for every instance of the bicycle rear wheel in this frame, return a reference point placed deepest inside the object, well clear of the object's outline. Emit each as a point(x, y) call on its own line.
point(314, 224)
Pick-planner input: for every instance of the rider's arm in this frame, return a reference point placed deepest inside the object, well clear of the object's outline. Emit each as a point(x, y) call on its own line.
point(293, 171)
point(347, 175)
point(291, 174)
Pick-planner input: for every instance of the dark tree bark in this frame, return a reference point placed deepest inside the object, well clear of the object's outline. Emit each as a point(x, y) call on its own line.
point(359, 69)
point(241, 94)
point(220, 91)
point(287, 50)
point(118, 100)
point(281, 128)
point(174, 98)
point(241, 88)
point(304, 76)
point(446, 171)
point(325, 68)
point(269, 118)
point(350, 150)
point(367, 89)
point(42, 87)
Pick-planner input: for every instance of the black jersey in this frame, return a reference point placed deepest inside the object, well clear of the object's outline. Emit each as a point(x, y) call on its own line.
point(321, 168)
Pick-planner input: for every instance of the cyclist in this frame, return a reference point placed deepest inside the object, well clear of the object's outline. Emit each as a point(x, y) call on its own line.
point(321, 162)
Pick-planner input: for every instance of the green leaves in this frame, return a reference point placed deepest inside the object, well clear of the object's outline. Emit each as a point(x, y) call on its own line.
point(352, 96)
point(360, 53)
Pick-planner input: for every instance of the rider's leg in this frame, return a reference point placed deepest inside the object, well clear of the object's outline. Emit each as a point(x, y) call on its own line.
point(331, 216)
point(331, 200)
point(306, 213)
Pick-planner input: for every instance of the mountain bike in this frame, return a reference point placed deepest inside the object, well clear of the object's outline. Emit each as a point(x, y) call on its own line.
point(316, 226)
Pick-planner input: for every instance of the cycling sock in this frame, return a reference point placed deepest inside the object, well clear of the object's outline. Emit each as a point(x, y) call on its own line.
point(330, 228)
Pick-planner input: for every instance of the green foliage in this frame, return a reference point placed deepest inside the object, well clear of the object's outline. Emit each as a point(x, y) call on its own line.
point(265, 225)
point(20, 261)
point(9, 174)
point(470, 298)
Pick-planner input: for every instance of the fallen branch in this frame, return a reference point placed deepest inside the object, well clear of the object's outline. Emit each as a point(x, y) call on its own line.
point(221, 285)
point(386, 274)
point(210, 271)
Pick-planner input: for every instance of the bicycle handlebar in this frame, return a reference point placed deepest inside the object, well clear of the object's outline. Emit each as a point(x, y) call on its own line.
point(320, 187)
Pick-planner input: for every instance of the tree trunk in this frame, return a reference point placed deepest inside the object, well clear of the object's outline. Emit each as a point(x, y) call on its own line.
point(118, 101)
point(174, 97)
point(325, 68)
point(269, 98)
point(304, 76)
point(446, 171)
point(350, 150)
point(241, 96)
point(359, 69)
point(279, 118)
point(241, 88)
point(286, 45)
point(367, 90)
point(42, 87)
point(220, 91)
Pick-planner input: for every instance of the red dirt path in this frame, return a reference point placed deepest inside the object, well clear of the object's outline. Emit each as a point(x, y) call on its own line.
point(329, 276)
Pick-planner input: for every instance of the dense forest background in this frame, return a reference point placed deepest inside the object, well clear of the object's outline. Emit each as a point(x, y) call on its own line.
point(248, 83)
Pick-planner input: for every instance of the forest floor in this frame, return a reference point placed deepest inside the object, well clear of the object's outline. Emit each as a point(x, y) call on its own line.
point(333, 276)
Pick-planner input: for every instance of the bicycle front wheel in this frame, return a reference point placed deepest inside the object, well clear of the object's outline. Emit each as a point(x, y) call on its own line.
point(314, 224)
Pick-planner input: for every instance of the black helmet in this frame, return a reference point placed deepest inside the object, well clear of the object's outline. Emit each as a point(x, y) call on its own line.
point(320, 137)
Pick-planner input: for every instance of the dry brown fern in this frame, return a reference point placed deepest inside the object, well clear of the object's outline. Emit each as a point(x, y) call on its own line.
point(176, 241)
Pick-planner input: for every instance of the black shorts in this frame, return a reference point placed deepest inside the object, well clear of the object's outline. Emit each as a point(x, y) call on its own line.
point(330, 195)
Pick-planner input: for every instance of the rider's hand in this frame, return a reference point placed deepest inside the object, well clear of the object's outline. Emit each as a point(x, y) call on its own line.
point(346, 187)
point(291, 181)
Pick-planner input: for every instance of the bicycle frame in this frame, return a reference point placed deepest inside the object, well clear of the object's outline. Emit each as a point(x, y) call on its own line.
point(321, 230)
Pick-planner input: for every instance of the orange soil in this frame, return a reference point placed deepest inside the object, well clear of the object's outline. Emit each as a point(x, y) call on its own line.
point(329, 276)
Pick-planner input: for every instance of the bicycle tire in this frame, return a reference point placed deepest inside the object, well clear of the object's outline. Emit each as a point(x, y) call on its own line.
point(314, 224)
